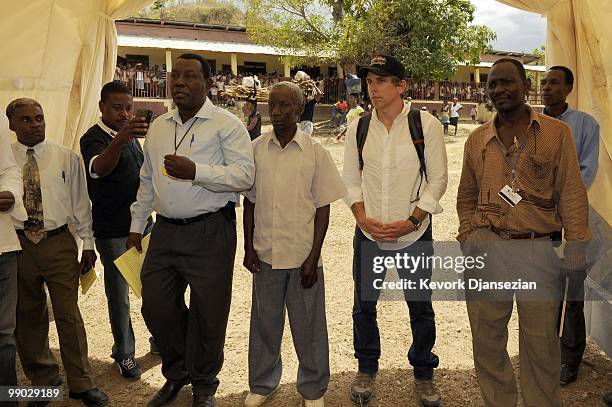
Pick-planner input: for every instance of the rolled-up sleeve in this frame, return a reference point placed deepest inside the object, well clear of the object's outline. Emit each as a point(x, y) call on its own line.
point(143, 206)
point(238, 172)
point(351, 174)
point(435, 163)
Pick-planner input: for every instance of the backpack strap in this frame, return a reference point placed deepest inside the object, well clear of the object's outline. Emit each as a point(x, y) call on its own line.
point(416, 132)
point(362, 134)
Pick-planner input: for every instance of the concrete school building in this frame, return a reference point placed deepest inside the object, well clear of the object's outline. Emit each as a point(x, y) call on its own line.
point(155, 45)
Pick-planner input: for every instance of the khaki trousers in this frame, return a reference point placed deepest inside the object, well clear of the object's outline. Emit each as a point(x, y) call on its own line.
point(53, 262)
point(539, 353)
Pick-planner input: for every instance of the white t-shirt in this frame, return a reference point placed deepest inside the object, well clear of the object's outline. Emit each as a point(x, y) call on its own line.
point(455, 110)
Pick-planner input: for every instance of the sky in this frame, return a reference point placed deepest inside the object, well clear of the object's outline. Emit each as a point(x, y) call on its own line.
point(517, 30)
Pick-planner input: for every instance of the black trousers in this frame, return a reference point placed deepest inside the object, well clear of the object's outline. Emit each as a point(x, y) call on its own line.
point(573, 340)
point(366, 336)
point(190, 339)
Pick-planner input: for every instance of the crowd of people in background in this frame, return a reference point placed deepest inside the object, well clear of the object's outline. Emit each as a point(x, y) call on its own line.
point(145, 80)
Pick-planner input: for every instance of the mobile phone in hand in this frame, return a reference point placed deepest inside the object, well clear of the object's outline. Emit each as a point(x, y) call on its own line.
point(146, 113)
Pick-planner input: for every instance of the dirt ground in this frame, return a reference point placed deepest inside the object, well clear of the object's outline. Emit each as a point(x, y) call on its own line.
point(455, 377)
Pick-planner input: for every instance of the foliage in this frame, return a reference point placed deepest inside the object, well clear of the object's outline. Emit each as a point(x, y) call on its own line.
point(541, 53)
point(315, 31)
point(431, 37)
point(222, 12)
point(159, 4)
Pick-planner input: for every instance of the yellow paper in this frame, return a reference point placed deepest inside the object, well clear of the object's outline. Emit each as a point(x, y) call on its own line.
point(130, 264)
point(164, 172)
point(87, 280)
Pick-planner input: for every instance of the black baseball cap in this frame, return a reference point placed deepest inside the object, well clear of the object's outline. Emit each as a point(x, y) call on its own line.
point(383, 65)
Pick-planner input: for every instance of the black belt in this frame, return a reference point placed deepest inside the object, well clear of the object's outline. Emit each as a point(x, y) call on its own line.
point(50, 233)
point(517, 235)
point(228, 210)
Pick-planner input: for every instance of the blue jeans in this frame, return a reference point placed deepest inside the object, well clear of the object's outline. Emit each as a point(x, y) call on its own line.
point(117, 296)
point(366, 337)
point(8, 312)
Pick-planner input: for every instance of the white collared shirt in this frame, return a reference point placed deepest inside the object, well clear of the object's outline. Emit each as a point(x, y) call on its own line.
point(63, 187)
point(290, 184)
point(390, 179)
point(11, 181)
point(108, 131)
point(455, 109)
point(218, 144)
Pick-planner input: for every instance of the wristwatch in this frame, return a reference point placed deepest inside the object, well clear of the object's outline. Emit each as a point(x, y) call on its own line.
point(415, 221)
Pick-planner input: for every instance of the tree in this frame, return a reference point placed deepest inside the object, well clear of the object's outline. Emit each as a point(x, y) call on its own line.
point(433, 37)
point(316, 31)
point(158, 4)
point(221, 12)
point(541, 54)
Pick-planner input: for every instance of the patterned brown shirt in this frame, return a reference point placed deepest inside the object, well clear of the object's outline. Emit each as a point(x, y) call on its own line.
point(547, 176)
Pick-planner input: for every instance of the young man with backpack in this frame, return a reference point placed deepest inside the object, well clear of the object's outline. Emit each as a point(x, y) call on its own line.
point(395, 173)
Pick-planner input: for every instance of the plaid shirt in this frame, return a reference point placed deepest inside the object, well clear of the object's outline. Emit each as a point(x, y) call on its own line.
point(548, 178)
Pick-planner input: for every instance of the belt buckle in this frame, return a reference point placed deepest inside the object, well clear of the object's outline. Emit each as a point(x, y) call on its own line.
point(182, 221)
point(505, 235)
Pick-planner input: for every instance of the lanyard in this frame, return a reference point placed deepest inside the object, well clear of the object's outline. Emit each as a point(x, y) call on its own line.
point(513, 182)
point(176, 146)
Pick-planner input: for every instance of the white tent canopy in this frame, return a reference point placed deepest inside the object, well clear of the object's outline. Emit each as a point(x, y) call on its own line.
point(60, 52)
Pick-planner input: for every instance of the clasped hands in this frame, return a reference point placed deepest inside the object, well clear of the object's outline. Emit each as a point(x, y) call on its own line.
point(386, 232)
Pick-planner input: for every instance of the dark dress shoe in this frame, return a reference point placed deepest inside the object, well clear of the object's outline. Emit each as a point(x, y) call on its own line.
point(568, 375)
point(207, 400)
point(167, 393)
point(607, 399)
point(94, 397)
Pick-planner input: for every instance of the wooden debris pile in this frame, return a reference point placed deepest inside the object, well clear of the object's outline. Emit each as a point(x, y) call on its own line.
point(309, 88)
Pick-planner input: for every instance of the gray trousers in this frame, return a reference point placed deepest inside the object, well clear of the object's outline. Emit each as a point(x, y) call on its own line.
point(117, 298)
point(201, 255)
point(273, 292)
point(538, 311)
point(8, 312)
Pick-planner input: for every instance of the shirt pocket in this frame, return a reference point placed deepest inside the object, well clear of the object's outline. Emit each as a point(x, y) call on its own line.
point(57, 188)
point(539, 173)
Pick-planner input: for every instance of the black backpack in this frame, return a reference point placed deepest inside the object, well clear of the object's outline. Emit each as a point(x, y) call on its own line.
point(416, 133)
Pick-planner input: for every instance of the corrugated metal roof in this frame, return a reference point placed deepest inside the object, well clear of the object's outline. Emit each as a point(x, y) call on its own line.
point(178, 43)
point(538, 68)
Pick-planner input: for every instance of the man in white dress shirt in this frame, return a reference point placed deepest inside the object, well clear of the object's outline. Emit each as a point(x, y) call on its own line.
point(392, 197)
point(11, 205)
point(286, 215)
point(196, 160)
point(55, 196)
